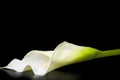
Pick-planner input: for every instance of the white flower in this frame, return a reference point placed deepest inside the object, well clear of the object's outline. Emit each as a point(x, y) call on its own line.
point(42, 62)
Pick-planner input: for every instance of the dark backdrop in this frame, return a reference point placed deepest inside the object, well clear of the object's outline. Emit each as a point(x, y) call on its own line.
point(23, 30)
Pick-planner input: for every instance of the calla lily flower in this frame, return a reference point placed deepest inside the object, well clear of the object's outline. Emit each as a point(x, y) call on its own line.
point(42, 62)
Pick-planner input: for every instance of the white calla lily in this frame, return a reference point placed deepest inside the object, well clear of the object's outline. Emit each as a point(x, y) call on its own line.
point(42, 62)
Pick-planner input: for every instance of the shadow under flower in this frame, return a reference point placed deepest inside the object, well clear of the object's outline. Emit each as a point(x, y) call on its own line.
point(54, 75)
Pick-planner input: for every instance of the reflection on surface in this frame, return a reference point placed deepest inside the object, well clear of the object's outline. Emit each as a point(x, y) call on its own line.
point(13, 73)
point(54, 75)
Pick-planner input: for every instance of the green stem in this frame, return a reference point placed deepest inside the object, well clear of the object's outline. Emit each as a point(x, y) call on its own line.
point(108, 53)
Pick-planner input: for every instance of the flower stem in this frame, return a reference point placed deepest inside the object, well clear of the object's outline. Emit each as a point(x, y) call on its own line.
point(108, 53)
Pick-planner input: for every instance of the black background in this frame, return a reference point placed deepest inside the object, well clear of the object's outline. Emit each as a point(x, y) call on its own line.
point(28, 29)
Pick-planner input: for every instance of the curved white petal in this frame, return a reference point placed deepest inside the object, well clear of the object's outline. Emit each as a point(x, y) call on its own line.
point(35, 60)
point(42, 62)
